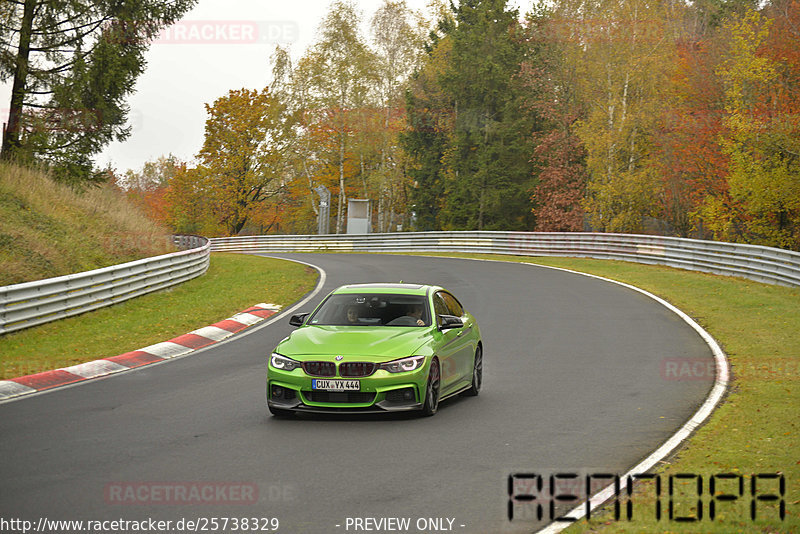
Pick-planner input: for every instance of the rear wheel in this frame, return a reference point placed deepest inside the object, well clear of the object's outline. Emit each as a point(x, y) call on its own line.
point(432, 390)
point(477, 374)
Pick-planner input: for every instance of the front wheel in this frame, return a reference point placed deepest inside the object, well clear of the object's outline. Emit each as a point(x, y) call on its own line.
point(477, 374)
point(432, 390)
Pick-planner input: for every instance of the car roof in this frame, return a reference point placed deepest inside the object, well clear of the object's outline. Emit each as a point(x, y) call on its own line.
point(399, 288)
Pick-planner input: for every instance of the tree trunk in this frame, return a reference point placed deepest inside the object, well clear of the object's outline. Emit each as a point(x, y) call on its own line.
point(381, 225)
point(339, 217)
point(484, 175)
point(610, 125)
point(11, 135)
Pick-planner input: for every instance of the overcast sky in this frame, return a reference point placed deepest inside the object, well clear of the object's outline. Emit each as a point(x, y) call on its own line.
point(218, 46)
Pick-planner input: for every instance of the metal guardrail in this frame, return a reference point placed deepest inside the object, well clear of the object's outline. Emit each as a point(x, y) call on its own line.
point(763, 264)
point(34, 303)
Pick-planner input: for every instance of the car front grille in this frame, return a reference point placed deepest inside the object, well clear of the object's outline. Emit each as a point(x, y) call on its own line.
point(356, 369)
point(340, 397)
point(319, 368)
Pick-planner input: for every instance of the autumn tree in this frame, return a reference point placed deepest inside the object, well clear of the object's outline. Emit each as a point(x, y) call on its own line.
point(147, 187)
point(622, 53)
point(154, 174)
point(345, 103)
point(188, 205)
point(340, 67)
point(241, 161)
point(689, 162)
point(397, 35)
point(559, 156)
point(291, 85)
point(783, 144)
point(764, 183)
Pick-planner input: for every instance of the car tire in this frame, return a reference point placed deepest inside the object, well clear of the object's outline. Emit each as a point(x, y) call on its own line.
point(279, 412)
point(431, 404)
point(477, 374)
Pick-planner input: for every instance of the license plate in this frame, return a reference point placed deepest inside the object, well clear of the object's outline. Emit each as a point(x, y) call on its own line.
point(336, 385)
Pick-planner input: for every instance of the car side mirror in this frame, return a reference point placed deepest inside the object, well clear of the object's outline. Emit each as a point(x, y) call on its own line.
point(447, 322)
point(298, 319)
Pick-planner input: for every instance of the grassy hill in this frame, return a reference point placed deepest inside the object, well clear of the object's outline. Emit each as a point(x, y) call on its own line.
point(47, 229)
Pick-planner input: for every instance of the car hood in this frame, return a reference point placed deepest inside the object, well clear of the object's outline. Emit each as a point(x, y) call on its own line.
point(379, 342)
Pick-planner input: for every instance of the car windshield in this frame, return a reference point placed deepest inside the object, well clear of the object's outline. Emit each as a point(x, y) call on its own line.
point(367, 309)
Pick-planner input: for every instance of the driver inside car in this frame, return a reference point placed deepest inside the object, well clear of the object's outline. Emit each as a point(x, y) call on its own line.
point(413, 316)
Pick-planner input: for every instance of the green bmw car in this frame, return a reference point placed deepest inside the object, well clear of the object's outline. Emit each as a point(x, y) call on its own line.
point(377, 348)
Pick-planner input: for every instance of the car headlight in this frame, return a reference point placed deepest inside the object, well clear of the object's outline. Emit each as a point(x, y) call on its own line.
point(283, 363)
point(403, 365)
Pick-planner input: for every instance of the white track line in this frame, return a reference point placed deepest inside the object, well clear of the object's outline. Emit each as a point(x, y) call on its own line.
point(246, 318)
point(9, 389)
point(720, 384)
point(323, 277)
point(95, 368)
point(269, 306)
point(12, 391)
point(166, 349)
point(213, 333)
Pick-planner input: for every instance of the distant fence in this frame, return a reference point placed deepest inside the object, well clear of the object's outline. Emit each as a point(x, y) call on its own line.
point(33, 303)
point(764, 264)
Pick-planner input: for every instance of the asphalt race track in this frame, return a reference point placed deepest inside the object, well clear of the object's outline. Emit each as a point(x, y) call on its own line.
point(573, 382)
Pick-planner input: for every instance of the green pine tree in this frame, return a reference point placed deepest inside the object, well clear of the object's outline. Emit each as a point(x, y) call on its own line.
point(72, 64)
point(488, 179)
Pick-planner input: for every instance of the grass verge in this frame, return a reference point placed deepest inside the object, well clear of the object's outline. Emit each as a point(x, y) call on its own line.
point(233, 282)
point(48, 229)
point(755, 428)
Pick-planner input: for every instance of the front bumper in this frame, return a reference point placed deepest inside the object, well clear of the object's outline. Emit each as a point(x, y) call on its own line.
point(380, 392)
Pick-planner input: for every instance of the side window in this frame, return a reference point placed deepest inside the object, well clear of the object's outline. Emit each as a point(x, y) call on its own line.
point(453, 305)
point(439, 306)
